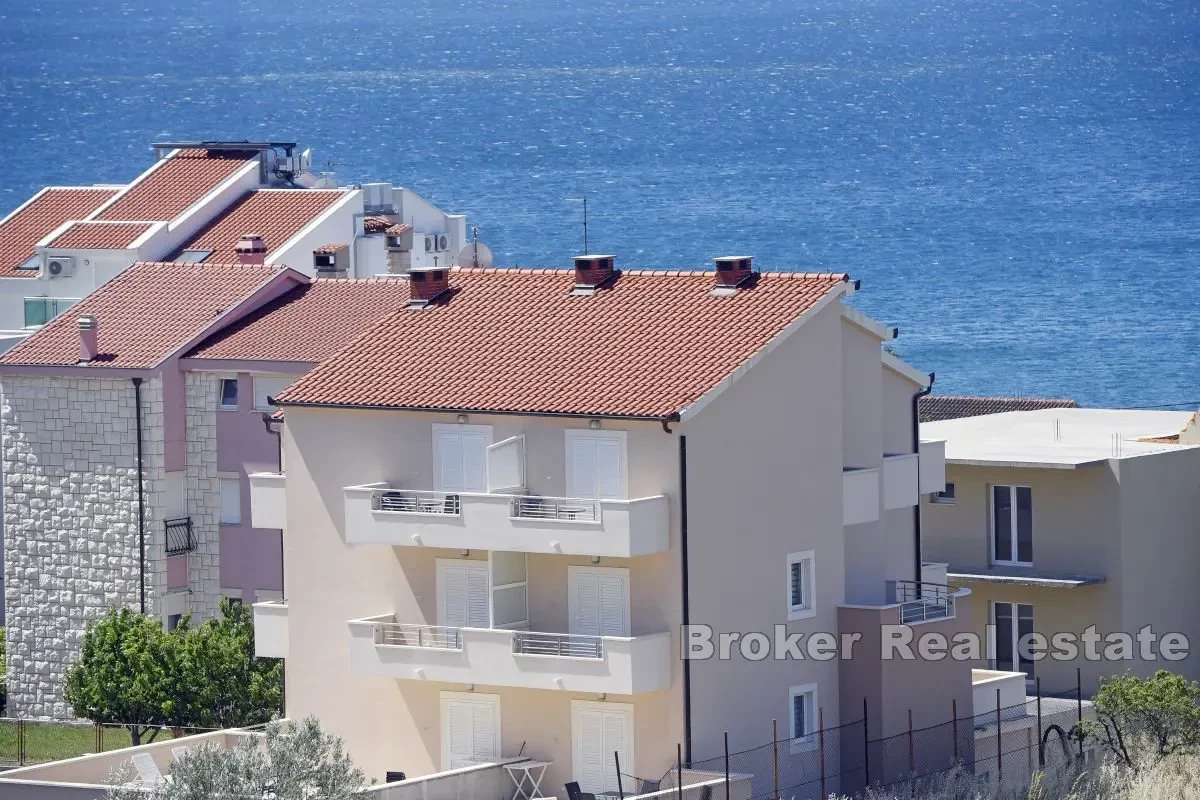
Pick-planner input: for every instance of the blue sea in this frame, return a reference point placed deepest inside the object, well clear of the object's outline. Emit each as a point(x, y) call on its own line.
point(1015, 182)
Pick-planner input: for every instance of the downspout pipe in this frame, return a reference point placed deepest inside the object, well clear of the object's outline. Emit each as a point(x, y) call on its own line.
point(683, 548)
point(137, 414)
point(916, 445)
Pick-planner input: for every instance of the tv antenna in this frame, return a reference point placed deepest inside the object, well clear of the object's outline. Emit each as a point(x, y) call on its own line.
point(585, 221)
point(477, 254)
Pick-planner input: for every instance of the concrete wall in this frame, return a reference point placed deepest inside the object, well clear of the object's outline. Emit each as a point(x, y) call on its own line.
point(484, 781)
point(71, 527)
point(393, 724)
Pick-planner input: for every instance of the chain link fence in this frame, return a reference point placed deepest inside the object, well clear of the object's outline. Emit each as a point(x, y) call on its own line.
point(28, 741)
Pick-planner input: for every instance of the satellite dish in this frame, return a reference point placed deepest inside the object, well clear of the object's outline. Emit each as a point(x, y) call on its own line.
point(476, 254)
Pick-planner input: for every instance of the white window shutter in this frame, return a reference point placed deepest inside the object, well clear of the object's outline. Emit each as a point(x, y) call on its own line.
point(506, 465)
point(592, 775)
point(478, 607)
point(450, 462)
point(614, 742)
point(458, 722)
point(483, 732)
point(454, 597)
point(474, 462)
point(585, 621)
point(583, 467)
point(613, 616)
point(608, 469)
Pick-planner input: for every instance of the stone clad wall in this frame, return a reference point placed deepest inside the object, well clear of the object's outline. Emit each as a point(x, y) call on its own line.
point(71, 521)
point(203, 495)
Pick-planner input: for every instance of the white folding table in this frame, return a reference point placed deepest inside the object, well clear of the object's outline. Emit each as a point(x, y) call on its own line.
point(527, 777)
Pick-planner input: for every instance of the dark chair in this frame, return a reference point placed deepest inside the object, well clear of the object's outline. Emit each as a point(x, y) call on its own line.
point(574, 792)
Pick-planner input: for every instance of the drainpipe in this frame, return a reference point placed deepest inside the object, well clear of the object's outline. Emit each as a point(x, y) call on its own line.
point(683, 547)
point(916, 442)
point(137, 412)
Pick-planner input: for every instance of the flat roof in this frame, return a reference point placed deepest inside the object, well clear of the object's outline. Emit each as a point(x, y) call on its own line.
point(1057, 438)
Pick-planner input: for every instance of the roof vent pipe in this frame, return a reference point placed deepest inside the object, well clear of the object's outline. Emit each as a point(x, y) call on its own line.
point(251, 249)
point(89, 337)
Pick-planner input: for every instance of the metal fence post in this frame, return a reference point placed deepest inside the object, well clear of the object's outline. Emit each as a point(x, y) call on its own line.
point(726, 765)
point(1041, 744)
point(999, 743)
point(821, 742)
point(1079, 706)
point(775, 753)
point(99, 730)
point(912, 758)
point(21, 742)
point(617, 764)
point(679, 770)
point(866, 746)
point(954, 725)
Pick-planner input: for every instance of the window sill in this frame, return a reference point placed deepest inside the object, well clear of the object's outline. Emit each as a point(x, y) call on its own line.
point(805, 744)
point(226, 408)
point(224, 524)
point(801, 613)
point(935, 502)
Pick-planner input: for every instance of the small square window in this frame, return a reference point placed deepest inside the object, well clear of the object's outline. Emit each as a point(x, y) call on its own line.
point(944, 497)
point(229, 393)
point(231, 501)
point(194, 256)
point(800, 585)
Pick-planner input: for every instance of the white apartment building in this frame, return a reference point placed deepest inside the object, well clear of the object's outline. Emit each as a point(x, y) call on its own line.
point(501, 505)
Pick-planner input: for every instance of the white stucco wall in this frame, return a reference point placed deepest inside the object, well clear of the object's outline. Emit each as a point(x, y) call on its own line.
point(71, 521)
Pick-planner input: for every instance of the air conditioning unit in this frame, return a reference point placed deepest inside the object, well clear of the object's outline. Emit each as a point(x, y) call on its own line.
point(443, 242)
point(59, 267)
point(431, 243)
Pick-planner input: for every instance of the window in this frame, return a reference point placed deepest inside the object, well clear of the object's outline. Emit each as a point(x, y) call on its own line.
point(40, 310)
point(803, 717)
point(173, 621)
point(800, 585)
point(1012, 525)
point(193, 256)
point(944, 497)
point(231, 501)
point(265, 387)
point(1013, 622)
point(229, 393)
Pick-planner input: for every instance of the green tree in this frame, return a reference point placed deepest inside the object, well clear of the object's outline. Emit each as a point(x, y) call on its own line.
point(126, 674)
point(288, 762)
point(1161, 712)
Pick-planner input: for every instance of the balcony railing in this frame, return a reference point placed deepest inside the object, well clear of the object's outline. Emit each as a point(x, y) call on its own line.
point(405, 635)
point(179, 536)
point(920, 601)
point(566, 509)
point(557, 644)
point(416, 502)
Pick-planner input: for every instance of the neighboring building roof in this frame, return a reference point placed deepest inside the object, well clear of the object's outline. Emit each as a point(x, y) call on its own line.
point(24, 228)
point(376, 224)
point(274, 214)
point(145, 314)
point(309, 323)
point(946, 406)
point(1057, 438)
point(101, 235)
point(176, 183)
point(330, 248)
point(648, 345)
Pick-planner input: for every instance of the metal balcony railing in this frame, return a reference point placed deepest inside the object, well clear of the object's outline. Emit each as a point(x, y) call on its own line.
point(568, 509)
point(407, 635)
point(179, 536)
point(920, 601)
point(557, 644)
point(416, 502)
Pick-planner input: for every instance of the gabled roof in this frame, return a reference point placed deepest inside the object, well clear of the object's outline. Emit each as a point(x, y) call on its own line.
point(145, 314)
point(174, 184)
point(38, 218)
point(939, 407)
point(274, 214)
point(647, 345)
point(101, 235)
point(309, 323)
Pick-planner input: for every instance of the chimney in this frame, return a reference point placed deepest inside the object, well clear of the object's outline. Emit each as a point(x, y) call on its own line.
point(732, 270)
point(251, 249)
point(89, 338)
point(592, 271)
point(425, 284)
point(332, 260)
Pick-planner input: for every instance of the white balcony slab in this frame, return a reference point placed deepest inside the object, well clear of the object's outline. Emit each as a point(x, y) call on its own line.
point(271, 629)
point(900, 480)
point(485, 656)
point(986, 682)
point(933, 466)
point(860, 496)
point(267, 500)
point(613, 528)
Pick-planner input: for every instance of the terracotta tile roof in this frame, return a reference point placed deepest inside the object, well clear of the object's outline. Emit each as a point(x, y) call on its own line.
point(309, 323)
point(514, 340)
point(938, 407)
point(101, 235)
point(274, 214)
point(399, 229)
point(146, 313)
point(376, 224)
point(21, 231)
point(332, 247)
point(179, 182)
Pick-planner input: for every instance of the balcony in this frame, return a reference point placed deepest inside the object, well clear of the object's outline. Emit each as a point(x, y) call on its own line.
point(382, 647)
point(179, 537)
point(860, 496)
point(381, 514)
point(932, 470)
point(271, 629)
point(900, 480)
point(922, 602)
point(267, 500)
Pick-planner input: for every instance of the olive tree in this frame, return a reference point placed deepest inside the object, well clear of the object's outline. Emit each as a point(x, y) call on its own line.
point(1160, 714)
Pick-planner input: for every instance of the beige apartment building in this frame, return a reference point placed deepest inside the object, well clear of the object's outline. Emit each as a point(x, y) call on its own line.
point(1061, 519)
point(502, 504)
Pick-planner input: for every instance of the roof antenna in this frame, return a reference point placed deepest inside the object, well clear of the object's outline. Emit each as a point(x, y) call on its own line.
point(583, 200)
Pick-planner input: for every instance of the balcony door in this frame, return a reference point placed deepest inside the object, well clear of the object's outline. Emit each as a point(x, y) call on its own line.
point(1012, 525)
point(460, 456)
point(598, 730)
point(596, 464)
point(599, 601)
point(1013, 621)
point(463, 594)
point(470, 729)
